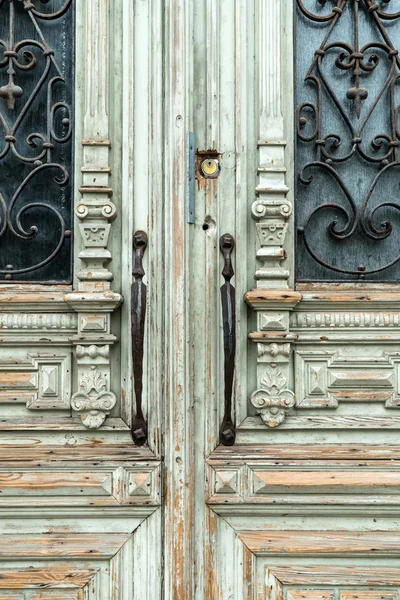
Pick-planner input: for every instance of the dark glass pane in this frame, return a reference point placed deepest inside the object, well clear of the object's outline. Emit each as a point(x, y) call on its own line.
point(347, 153)
point(36, 140)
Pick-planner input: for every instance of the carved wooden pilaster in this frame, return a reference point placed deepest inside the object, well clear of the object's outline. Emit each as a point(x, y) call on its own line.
point(272, 212)
point(94, 301)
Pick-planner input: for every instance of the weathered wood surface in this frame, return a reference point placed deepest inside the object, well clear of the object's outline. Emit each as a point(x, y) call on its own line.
point(296, 452)
point(67, 545)
point(336, 575)
point(98, 453)
point(51, 577)
point(322, 543)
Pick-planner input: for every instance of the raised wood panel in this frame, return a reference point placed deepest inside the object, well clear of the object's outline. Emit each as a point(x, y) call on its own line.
point(84, 545)
point(313, 452)
point(67, 567)
point(124, 485)
point(310, 595)
point(284, 481)
point(33, 452)
point(56, 576)
point(333, 575)
point(368, 595)
point(40, 381)
point(343, 583)
point(352, 373)
point(318, 543)
point(25, 484)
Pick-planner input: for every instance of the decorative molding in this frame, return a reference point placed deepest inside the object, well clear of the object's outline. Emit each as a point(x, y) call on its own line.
point(344, 320)
point(93, 351)
point(272, 209)
point(274, 350)
point(71, 582)
point(96, 210)
point(90, 561)
point(37, 321)
point(255, 558)
point(273, 399)
point(40, 381)
point(325, 377)
point(272, 483)
point(322, 543)
point(94, 400)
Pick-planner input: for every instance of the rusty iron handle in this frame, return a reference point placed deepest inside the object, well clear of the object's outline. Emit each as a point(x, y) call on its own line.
point(138, 319)
point(227, 432)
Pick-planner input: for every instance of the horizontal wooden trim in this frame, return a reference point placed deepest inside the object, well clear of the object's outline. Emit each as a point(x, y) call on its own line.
point(84, 545)
point(364, 298)
point(325, 422)
point(66, 577)
point(261, 299)
point(307, 481)
point(56, 424)
point(97, 455)
point(85, 483)
point(96, 190)
point(271, 143)
point(269, 336)
point(106, 143)
point(325, 543)
point(36, 301)
point(297, 452)
point(336, 575)
point(96, 169)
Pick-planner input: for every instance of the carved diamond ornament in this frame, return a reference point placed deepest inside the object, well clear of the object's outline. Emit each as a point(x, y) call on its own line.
point(273, 399)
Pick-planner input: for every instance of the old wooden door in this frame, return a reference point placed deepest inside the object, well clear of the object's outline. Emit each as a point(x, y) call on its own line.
point(79, 505)
point(299, 101)
point(172, 143)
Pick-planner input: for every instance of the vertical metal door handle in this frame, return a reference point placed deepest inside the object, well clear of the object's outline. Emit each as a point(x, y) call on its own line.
point(227, 432)
point(138, 319)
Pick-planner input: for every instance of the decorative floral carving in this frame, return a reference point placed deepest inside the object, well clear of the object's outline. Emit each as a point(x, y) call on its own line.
point(94, 400)
point(273, 399)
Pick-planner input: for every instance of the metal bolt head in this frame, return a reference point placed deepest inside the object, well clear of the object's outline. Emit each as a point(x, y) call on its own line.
point(210, 168)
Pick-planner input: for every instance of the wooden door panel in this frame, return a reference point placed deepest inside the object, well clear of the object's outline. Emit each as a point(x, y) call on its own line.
point(271, 562)
point(333, 583)
point(80, 514)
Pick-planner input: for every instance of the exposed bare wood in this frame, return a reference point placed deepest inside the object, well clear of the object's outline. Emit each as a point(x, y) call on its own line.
point(52, 577)
point(336, 575)
point(261, 299)
point(55, 424)
point(306, 481)
point(294, 452)
point(98, 453)
point(85, 545)
point(322, 543)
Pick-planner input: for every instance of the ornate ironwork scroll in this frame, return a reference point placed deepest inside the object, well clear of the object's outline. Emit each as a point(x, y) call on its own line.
point(348, 193)
point(227, 432)
point(138, 308)
point(36, 126)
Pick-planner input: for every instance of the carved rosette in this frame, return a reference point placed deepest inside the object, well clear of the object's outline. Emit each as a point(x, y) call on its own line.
point(273, 399)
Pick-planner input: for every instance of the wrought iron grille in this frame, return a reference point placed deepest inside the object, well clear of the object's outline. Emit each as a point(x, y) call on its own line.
point(347, 139)
point(36, 140)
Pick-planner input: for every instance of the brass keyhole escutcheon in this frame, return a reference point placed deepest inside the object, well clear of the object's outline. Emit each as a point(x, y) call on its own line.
point(210, 168)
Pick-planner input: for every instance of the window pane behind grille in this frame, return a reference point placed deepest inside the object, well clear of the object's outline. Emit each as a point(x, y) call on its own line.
point(36, 140)
point(356, 142)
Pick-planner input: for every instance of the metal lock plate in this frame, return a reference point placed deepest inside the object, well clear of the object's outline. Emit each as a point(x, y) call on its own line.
point(210, 168)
